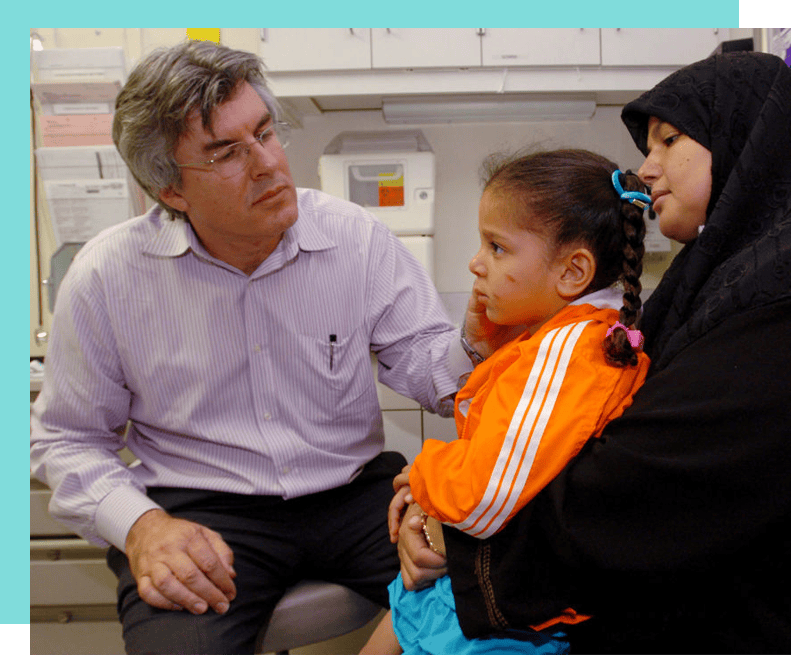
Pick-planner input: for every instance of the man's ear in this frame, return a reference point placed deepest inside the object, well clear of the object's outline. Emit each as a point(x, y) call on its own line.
point(578, 267)
point(172, 198)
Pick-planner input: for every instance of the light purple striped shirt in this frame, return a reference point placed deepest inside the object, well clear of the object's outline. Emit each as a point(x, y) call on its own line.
point(231, 383)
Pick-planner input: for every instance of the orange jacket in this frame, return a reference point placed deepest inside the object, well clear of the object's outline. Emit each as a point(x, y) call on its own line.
point(521, 416)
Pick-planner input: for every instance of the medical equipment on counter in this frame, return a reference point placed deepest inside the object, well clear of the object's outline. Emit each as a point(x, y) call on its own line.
point(391, 174)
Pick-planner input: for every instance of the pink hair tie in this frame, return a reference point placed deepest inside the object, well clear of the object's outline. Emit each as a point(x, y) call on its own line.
point(635, 336)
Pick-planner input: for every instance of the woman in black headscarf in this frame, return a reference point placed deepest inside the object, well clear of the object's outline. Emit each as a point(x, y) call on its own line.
point(673, 531)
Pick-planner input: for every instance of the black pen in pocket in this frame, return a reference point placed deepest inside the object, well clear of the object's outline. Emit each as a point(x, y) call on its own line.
point(333, 339)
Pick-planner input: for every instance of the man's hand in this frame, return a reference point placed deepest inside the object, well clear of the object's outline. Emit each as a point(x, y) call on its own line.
point(484, 336)
point(420, 566)
point(179, 564)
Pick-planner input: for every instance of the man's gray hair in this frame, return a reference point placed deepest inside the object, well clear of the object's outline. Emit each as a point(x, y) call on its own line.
point(163, 89)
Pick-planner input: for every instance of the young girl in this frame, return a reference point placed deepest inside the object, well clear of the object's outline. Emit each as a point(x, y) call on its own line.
point(558, 230)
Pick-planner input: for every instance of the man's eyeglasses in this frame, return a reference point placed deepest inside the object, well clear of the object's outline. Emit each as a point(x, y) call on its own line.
point(232, 159)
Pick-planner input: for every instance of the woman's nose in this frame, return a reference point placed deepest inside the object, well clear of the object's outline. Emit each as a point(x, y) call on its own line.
point(650, 171)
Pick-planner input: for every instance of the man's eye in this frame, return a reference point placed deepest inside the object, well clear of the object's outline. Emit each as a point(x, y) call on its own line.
point(229, 153)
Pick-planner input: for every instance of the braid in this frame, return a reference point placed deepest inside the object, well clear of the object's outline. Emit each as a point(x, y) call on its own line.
point(617, 349)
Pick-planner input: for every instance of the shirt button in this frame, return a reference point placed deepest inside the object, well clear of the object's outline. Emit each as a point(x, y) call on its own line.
point(257, 348)
point(286, 469)
point(267, 416)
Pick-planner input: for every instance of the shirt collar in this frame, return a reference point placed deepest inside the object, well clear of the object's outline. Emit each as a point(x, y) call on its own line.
point(309, 234)
point(175, 237)
point(607, 298)
point(171, 237)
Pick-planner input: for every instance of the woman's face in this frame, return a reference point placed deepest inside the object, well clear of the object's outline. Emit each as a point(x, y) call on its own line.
point(678, 170)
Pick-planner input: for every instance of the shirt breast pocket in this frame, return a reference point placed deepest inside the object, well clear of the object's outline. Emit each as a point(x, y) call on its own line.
point(342, 361)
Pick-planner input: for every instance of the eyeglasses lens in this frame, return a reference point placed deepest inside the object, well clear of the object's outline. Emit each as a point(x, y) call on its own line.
point(233, 159)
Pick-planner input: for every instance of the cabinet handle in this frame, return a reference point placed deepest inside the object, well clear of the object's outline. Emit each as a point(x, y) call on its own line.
point(481, 31)
point(42, 336)
point(65, 617)
point(53, 555)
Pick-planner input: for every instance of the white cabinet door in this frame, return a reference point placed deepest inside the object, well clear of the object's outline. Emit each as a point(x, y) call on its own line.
point(84, 37)
point(505, 46)
point(159, 37)
point(658, 46)
point(429, 47)
point(316, 48)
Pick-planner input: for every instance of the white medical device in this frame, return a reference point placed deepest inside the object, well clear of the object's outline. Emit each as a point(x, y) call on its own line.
point(391, 174)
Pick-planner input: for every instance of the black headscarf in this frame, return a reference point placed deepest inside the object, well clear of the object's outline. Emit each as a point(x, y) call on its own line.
point(738, 106)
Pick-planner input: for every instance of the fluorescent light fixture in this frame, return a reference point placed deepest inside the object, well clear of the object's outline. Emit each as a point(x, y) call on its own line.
point(486, 108)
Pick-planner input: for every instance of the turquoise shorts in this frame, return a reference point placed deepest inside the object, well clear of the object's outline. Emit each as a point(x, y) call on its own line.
point(425, 623)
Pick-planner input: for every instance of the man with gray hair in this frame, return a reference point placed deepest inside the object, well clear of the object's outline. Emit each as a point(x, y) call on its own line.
point(230, 328)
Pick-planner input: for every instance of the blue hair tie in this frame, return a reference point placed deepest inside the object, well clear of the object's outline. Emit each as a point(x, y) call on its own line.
point(635, 197)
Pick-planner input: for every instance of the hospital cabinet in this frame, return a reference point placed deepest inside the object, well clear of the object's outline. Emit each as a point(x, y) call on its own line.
point(667, 46)
point(359, 68)
point(382, 48)
point(72, 591)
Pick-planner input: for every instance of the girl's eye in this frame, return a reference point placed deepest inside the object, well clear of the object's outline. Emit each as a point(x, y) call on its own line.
point(670, 140)
point(496, 249)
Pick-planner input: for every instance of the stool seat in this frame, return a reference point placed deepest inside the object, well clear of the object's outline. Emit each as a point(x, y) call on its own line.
point(313, 611)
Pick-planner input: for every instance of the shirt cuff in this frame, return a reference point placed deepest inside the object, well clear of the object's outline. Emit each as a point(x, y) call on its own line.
point(118, 511)
point(458, 361)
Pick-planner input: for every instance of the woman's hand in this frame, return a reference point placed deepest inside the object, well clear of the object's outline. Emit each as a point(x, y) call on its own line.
point(420, 566)
point(437, 539)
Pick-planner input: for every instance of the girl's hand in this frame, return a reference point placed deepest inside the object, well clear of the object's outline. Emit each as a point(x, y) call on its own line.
point(398, 505)
point(395, 512)
point(402, 478)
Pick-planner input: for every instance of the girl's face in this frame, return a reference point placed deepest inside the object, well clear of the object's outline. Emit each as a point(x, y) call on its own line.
point(678, 170)
point(516, 272)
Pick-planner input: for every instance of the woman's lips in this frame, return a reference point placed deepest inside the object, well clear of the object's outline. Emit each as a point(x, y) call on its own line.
point(656, 197)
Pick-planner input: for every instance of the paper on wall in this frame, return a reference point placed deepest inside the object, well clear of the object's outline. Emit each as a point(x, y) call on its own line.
point(80, 209)
point(80, 163)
